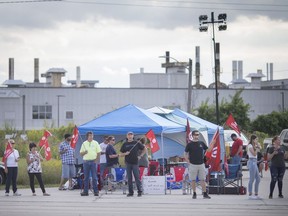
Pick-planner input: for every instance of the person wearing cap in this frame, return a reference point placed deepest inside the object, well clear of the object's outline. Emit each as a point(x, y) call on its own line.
point(236, 149)
point(11, 169)
point(130, 149)
point(67, 157)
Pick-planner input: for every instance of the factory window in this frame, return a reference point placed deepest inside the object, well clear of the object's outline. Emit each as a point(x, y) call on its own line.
point(42, 112)
point(69, 114)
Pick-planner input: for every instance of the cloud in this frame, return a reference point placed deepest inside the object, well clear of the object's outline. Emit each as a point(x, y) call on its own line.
point(110, 42)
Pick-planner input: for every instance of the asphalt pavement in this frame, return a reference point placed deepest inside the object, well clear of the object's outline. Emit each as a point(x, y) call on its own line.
point(71, 203)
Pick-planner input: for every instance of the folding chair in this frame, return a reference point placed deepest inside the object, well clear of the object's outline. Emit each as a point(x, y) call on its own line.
point(117, 177)
point(233, 179)
point(175, 178)
point(154, 167)
point(163, 164)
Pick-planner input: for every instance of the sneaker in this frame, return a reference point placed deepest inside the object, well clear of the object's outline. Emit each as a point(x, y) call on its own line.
point(194, 196)
point(206, 196)
point(6, 194)
point(84, 194)
point(46, 194)
point(256, 197)
point(139, 194)
point(270, 196)
point(129, 195)
point(281, 196)
point(96, 193)
point(251, 197)
point(34, 194)
point(16, 194)
point(70, 188)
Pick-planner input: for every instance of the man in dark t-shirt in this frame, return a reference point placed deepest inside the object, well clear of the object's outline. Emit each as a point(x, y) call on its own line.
point(131, 148)
point(194, 155)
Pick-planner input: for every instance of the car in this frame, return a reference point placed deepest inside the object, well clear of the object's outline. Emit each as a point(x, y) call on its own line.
point(284, 142)
point(2, 173)
point(229, 143)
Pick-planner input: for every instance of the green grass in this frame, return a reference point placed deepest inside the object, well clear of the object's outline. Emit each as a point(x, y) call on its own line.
point(51, 173)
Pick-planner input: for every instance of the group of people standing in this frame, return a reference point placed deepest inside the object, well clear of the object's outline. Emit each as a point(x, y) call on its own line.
point(275, 155)
point(106, 154)
point(34, 169)
point(135, 153)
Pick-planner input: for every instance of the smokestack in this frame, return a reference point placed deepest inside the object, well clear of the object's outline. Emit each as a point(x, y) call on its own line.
point(234, 70)
point(36, 70)
point(217, 66)
point(240, 69)
point(78, 78)
point(167, 60)
point(11, 68)
point(197, 66)
point(271, 71)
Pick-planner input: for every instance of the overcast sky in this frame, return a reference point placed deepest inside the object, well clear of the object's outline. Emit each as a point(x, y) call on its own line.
point(110, 39)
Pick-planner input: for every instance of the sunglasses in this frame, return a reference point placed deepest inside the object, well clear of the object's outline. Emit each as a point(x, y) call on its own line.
point(196, 134)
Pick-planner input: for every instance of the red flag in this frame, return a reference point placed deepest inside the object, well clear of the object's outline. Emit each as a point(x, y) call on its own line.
point(153, 141)
point(8, 151)
point(232, 124)
point(44, 142)
point(75, 137)
point(44, 138)
point(188, 133)
point(214, 155)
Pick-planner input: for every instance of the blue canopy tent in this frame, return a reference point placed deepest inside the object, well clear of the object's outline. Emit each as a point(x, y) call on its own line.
point(130, 118)
point(211, 128)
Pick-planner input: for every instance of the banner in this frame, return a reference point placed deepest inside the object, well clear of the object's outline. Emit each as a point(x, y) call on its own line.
point(8, 151)
point(214, 155)
point(188, 133)
point(153, 141)
point(232, 124)
point(75, 137)
point(44, 142)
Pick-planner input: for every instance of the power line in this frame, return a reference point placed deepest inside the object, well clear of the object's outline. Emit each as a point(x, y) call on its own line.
point(31, 1)
point(186, 7)
point(169, 6)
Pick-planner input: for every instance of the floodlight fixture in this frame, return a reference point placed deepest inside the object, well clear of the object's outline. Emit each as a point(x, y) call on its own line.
point(222, 17)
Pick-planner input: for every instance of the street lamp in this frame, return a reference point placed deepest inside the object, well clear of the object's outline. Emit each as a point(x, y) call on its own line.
point(203, 20)
point(58, 108)
point(189, 68)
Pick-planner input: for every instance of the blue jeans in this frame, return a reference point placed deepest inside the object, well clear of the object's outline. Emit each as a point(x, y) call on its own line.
point(90, 167)
point(253, 175)
point(133, 168)
point(236, 159)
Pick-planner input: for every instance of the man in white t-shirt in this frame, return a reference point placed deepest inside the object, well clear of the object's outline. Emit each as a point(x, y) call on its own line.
point(103, 161)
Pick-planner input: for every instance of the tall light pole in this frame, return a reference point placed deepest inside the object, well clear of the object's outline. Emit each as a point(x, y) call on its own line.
point(203, 20)
point(58, 108)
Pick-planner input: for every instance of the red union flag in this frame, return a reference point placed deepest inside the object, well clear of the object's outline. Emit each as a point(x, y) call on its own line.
point(8, 151)
point(153, 141)
point(232, 124)
point(214, 155)
point(75, 137)
point(44, 138)
point(188, 133)
point(44, 142)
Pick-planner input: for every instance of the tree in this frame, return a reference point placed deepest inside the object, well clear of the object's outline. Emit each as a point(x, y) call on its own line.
point(236, 106)
point(271, 124)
